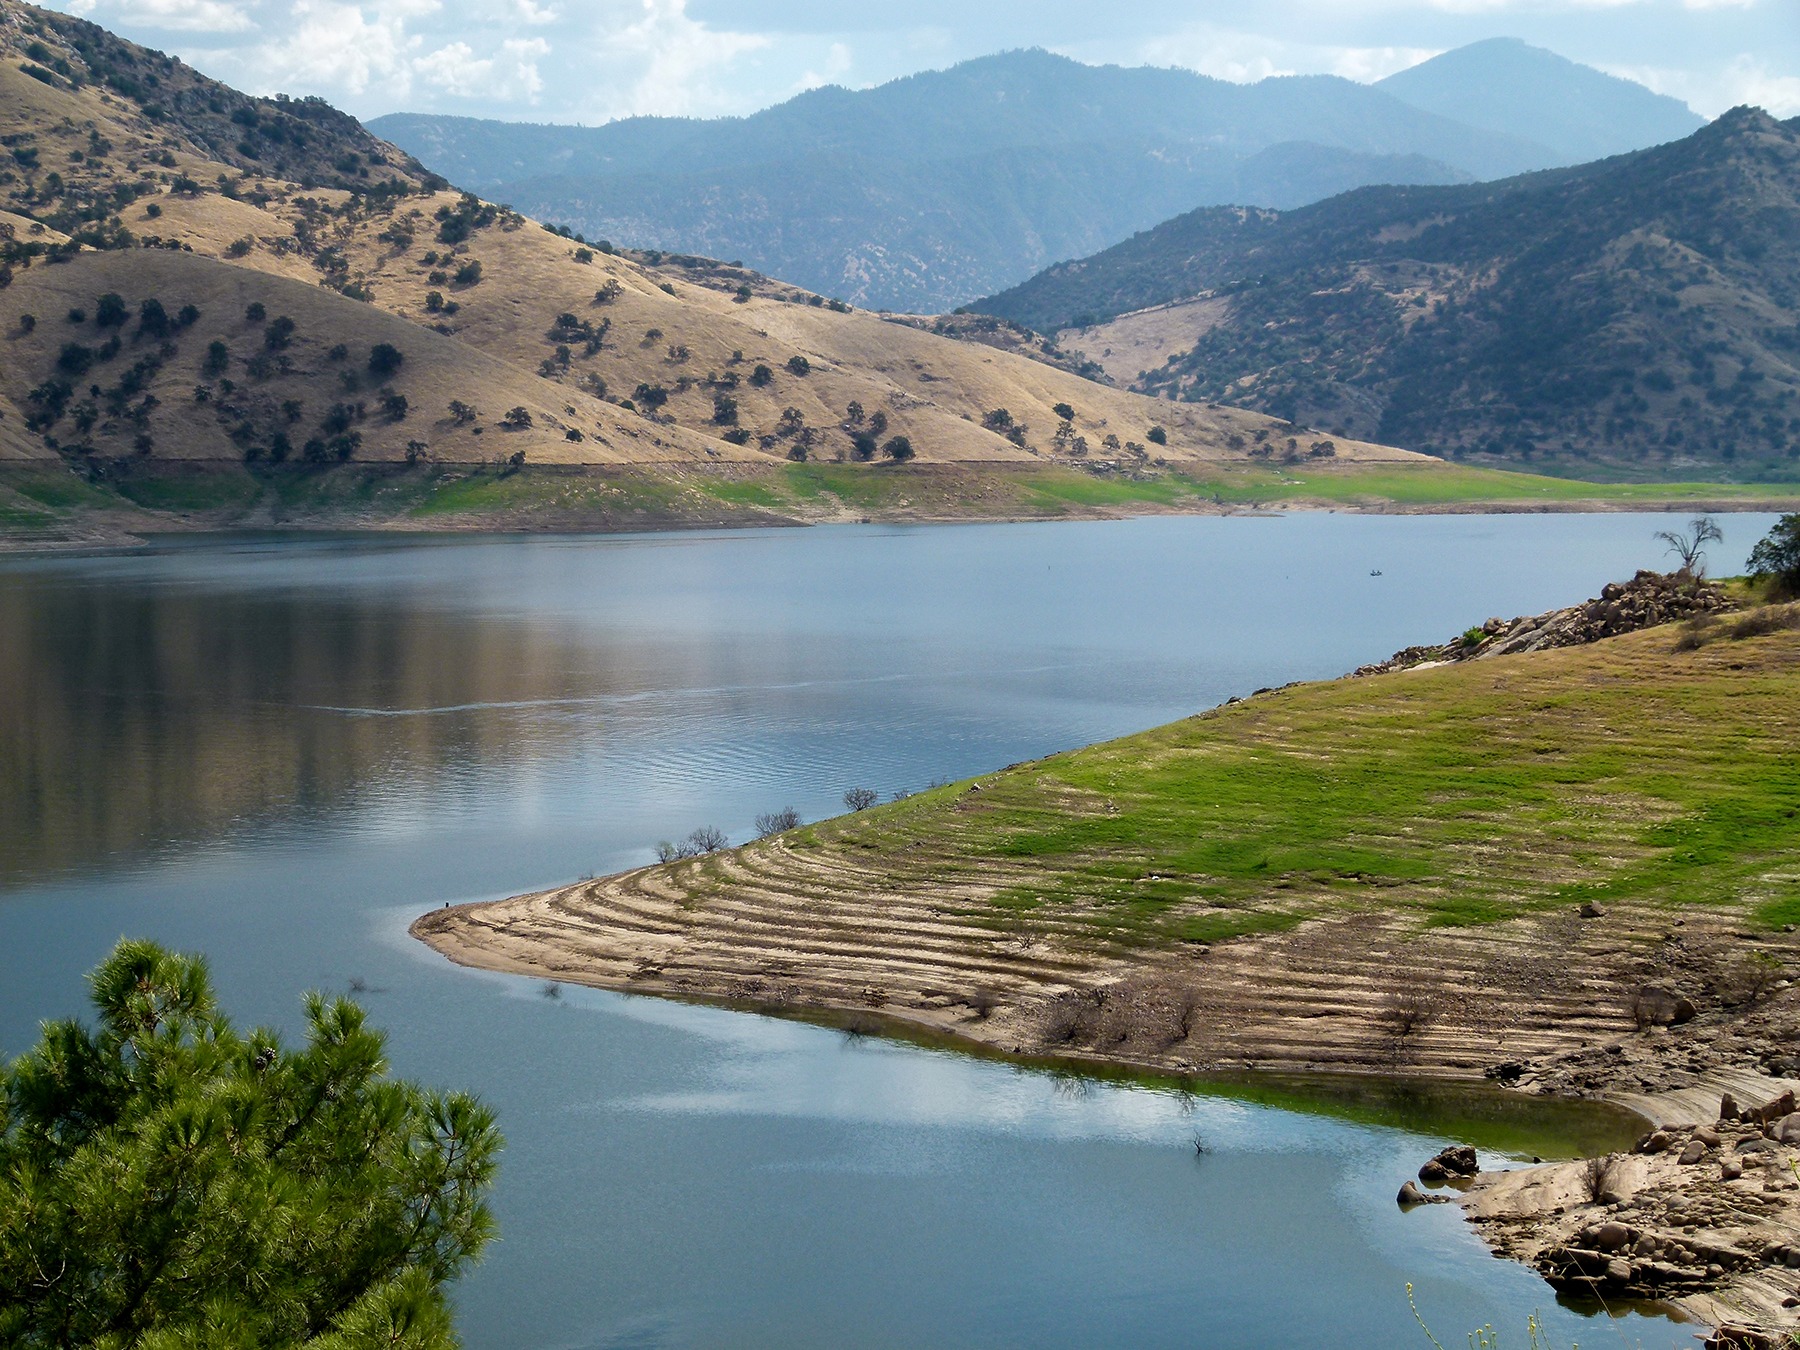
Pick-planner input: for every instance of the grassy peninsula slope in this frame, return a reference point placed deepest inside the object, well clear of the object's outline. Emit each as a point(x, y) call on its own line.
point(1361, 874)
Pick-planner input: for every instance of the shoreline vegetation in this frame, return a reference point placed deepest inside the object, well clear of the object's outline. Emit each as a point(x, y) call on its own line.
point(1568, 872)
point(44, 506)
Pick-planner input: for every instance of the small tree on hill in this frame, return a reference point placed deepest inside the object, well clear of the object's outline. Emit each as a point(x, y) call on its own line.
point(1778, 556)
point(385, 360)
point(110, 310)
point(899, 449)
point(861, 798)
point(517, 419)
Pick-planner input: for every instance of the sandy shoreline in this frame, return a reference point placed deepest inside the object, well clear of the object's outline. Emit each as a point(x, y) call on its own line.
point(1672, 1076)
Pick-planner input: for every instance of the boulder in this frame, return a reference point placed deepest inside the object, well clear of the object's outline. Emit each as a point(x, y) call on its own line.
point(1411, 1195)
point(1590, 910)
point(1693, 1153)
point(1771, 1111)
point(1787, 1129)
point(1728, 1107)
point(1454, 1162)
point(1730, 1169)
point(1609, 1237)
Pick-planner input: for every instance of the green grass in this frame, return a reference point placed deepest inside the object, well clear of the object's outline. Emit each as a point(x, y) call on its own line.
point(207, 490)
point(1624, 772)
point(1051, 489)
point(646, 498)
point(1460, 485)
point(57, 490)
point(18, 516)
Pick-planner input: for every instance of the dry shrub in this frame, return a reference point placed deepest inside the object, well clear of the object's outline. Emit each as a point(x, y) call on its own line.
point(1404, 1014)
point(1597, 1176)
point(1747, 978)
point(1768, 619)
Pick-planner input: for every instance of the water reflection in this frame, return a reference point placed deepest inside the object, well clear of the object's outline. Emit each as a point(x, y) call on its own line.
point(141, 718)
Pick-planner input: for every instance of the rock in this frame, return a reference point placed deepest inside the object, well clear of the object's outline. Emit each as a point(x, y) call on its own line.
point(1657, 1142)
point(1730, 1169)
point(1707, 1135)
point(1610, 1236)
point(1693, 1153)
point(1771, 1111)
point(1456, 1161)
point(1787, 1129)
point(1747, 1147)
point(1728, 1107)
point(1618, 1270)
point(1731, 1336)
point(1590, 910)
point(1411, 1195)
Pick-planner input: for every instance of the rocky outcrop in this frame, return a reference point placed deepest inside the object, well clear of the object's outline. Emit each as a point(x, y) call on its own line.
point(1648, 600)
point(1704, 1214)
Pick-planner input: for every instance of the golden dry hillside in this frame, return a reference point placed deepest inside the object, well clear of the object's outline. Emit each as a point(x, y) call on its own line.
point(650, 360)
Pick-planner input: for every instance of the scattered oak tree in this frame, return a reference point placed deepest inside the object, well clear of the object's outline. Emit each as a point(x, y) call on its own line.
point(1778, 556)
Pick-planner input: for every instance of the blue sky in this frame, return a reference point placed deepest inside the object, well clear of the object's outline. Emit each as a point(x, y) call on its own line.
point(593, 60)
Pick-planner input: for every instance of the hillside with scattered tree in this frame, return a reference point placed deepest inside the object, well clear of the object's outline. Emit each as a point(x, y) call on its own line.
point(362, 338)
point(1633, 317)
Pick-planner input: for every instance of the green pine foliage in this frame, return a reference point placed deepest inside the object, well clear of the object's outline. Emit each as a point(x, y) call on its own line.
point(168, 1182)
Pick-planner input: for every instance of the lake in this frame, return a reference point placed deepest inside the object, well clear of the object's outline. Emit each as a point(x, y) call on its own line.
point(280, 751)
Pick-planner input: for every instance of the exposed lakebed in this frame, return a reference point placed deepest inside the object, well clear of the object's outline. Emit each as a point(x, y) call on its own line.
point(281, 751)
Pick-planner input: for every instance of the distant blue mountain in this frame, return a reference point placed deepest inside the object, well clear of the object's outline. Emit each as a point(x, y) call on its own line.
point(1503, 85)
point(928, 191)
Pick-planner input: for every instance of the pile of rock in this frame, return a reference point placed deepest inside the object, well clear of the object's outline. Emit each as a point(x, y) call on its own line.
point(1648, 600)
point(1456, 1163)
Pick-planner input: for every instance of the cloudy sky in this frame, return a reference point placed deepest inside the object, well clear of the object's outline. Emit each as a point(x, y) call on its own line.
point(594, 60)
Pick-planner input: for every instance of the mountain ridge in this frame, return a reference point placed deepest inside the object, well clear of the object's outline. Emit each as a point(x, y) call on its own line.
point(1064, 158)
point(1581, 113)
point(1634, 314)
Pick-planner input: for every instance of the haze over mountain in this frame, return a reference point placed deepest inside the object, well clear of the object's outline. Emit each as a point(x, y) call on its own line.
point(923, 193)
point(1636, 316)
point(1507, 86)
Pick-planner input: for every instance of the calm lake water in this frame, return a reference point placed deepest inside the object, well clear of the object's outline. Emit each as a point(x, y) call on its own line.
point(280, 752)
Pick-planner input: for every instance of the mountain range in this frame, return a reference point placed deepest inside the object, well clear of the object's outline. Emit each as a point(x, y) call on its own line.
point(1636, 316)
point(928, 191)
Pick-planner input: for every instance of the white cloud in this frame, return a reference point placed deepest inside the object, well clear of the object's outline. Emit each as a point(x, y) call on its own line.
point(1231, 54)
point(180, 16)
point(838, 64)
point(675, 59)
point(1711, 90)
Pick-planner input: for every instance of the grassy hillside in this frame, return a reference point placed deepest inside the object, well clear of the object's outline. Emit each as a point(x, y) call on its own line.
point(1632, 318)
point(1265, 880)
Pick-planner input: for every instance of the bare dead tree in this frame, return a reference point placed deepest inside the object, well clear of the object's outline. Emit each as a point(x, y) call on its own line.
point(777, 822)
point(1690, 545)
